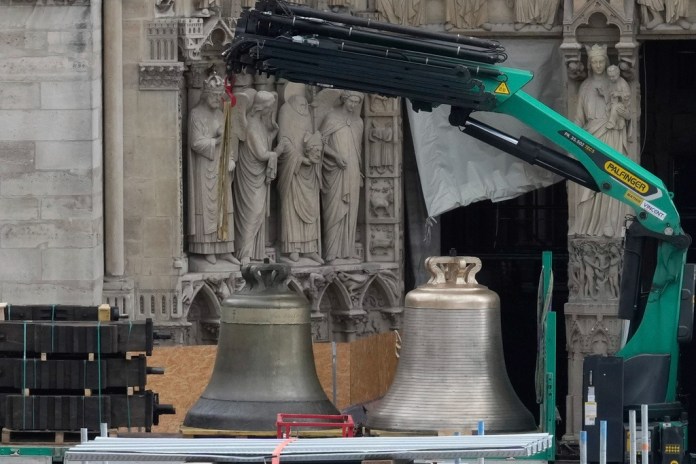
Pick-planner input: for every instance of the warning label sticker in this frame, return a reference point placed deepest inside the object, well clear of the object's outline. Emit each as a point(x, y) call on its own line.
point(502, 89)
point(590, 412)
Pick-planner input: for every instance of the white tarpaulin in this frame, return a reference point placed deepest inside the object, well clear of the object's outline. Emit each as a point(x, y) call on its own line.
point(456, 169)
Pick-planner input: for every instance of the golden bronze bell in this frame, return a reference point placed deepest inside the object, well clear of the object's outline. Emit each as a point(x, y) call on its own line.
point(264, 364)
point(451, 372)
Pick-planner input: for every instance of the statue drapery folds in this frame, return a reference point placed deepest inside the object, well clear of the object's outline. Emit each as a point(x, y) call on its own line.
point(342, 130)
point(256, 168)
point(299, 181)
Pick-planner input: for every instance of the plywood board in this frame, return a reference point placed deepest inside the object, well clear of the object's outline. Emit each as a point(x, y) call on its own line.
point(364, 371)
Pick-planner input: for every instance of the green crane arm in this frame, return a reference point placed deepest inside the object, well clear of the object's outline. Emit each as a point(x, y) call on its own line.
point(431, 68)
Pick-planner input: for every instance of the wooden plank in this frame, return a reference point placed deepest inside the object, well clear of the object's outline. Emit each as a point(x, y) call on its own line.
point(57, 437)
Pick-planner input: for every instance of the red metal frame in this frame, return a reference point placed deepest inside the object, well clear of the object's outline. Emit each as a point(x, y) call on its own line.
point(285, 421)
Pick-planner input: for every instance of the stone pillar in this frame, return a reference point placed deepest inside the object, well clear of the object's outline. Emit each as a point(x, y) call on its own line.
point(113, 141)
point(595, 252)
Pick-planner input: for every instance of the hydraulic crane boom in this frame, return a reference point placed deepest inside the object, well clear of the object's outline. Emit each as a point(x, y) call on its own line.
point(430, 68)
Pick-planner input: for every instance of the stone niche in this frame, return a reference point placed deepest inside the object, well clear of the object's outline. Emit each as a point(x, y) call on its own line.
point(335, 170)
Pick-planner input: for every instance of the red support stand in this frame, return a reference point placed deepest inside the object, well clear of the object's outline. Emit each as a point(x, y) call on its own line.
point(285, 422)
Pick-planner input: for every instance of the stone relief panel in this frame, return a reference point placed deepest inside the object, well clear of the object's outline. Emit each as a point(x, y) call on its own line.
point(381, 198)
point(594, 269)
point(382, 241)
point(381, 147)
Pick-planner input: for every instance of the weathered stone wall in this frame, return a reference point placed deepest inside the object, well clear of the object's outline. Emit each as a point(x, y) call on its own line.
point(51, 247)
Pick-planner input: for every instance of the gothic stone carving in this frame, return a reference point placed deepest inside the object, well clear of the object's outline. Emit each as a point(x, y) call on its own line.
point(381, 198)
point(594, 268)
point(382, 242)
point(155, 76)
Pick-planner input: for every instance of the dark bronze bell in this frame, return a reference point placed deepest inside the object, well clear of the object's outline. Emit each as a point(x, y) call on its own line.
point(451, 372)
point(264, 364)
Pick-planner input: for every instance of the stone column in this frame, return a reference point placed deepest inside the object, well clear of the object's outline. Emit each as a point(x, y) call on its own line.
point(113, 140)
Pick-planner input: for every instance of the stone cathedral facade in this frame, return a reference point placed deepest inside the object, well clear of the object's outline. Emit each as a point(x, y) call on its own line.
point(96, 104)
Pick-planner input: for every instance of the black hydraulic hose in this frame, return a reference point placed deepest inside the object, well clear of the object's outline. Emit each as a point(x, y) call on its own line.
point(382, 26)
point(262, 24)
point(531, 152)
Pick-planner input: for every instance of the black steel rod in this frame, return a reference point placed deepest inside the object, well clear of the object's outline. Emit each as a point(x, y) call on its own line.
point(382, 26)
point(426, 86)
point(416, 57)
point(412, 73)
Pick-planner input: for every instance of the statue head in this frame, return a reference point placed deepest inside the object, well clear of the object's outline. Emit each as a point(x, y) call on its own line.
point(613, 72)
point(213, 89)
point(351, 99)
point(299, 104)
point(597, 58)
point(263, 102)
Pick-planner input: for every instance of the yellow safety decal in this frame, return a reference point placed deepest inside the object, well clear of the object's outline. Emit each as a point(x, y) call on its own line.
point(626, 177)
point(637, 199)
point(502, 88)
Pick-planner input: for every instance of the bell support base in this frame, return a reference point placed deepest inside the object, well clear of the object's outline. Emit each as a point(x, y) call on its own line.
point(195, 432)
point(249, 416)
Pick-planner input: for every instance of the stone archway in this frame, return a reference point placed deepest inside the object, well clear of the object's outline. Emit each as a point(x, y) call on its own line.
point(204, 318)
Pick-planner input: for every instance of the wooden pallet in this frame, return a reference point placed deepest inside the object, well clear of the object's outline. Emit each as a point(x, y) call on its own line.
point(57, 437)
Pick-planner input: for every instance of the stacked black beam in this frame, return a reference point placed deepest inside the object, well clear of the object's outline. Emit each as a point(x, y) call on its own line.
point(64, 368)
point(313, 47)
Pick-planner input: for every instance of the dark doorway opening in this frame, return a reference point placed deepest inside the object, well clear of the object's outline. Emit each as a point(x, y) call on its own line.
point(510, 237)
point(668, 134)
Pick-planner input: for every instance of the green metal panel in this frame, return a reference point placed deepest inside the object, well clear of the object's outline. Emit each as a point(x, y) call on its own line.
point(628, 182)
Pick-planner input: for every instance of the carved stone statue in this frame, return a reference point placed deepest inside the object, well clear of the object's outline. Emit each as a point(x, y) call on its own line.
point(299, 181)
point(597, 214)
point(466, 14)
point(212, 163)
point(542, 12)
point(381, 150)
point(391, 11)
point(651, 11)
point(406, 12)
point(342, 130)
point(256, 168)
point(675, 12)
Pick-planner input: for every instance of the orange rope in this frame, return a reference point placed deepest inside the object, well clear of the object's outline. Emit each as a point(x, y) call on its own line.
point(279, 449)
